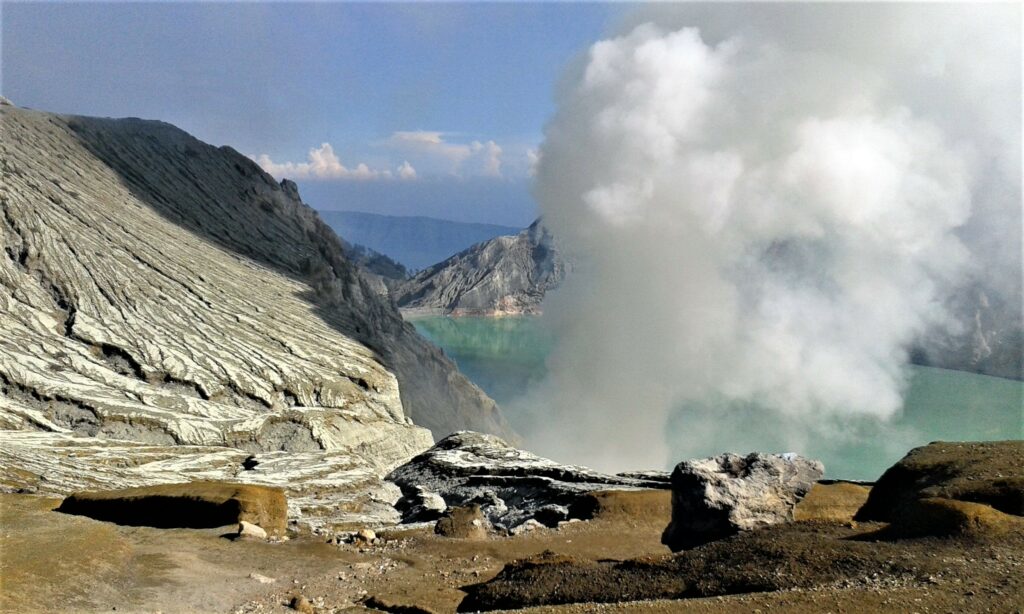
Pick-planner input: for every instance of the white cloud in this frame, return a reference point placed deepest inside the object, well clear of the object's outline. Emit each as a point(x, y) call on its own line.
point(473, 158)
point(323, 163)
point(765, 225)
point(532, 160)
point(406, 171)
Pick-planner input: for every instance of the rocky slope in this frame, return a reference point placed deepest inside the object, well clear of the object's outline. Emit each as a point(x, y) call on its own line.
point(168, 309)
point(506, 275)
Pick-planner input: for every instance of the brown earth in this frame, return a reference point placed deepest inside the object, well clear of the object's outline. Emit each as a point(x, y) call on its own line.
point(838, 502)
point(54, 562)
point(988, 472)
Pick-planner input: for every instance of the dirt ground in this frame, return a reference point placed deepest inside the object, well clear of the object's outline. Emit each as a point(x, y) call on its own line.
point(52, 562)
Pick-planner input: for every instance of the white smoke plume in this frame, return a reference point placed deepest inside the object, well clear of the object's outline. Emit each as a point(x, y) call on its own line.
point(767, 204)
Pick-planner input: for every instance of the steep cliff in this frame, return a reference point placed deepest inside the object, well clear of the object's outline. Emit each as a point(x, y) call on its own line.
point(506, 275)
point(161, 291)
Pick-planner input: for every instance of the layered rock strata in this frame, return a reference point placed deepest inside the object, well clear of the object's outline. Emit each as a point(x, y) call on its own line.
point(168, 309)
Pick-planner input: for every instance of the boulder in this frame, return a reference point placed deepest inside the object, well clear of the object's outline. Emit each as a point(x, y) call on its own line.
point(716, 497)
point(510, 485)
point(366, 536)
point(300, 604)
point(466, 522)
point(191, 505)
point(978, 472)
point(421, 505)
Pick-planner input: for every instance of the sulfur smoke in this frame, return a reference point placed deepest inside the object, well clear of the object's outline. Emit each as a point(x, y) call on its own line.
point(767, 205)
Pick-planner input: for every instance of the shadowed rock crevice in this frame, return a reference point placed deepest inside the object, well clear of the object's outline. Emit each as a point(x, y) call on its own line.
point(196, 505)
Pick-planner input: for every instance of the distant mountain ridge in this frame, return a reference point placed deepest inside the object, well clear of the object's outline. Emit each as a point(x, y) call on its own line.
point(413, 241)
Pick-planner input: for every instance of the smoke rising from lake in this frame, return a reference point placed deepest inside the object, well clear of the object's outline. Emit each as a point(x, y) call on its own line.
point(767, 205)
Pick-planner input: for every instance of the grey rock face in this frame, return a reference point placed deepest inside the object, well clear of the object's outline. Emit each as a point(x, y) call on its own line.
point(716, 497)
point(168, 304)
point(506, 275)
point(990, 342)
point(510, 485)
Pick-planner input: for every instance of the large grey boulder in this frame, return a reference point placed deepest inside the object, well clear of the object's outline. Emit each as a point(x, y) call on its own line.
point(716, 497)
point(511, 486)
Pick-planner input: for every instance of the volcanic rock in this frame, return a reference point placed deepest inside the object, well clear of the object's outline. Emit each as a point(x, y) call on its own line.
point(191, 505)
point(466, 522)
point(300, 604)
point(510, 485)
point(248, 530)
point(716, 497)
point(978, 472)
point(169, 309)
point(366, 536)
point(421, 505)
point(505, 275)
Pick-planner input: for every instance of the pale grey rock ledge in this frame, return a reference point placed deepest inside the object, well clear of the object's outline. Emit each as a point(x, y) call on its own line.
point(328, 491)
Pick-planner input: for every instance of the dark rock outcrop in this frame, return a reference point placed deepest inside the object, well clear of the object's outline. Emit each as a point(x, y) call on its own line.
point(978, 472)
point(511, 486)
point(506, 275)
point(717, 497)
point(192, 505)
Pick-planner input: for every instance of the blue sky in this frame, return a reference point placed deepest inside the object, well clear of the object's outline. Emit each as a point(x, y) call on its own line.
point(441, 104)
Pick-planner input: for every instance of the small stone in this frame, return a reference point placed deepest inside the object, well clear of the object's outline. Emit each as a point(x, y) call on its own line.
point(462, 522)
point(261, 578)
point(526, 527)
point(366, 536)
point(301, 604)
point(248, 530)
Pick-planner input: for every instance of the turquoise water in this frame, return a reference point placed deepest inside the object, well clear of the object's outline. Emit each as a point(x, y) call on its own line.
point(506, 357)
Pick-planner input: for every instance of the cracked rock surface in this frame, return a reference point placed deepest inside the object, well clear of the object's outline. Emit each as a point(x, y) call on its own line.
point(168, 309)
